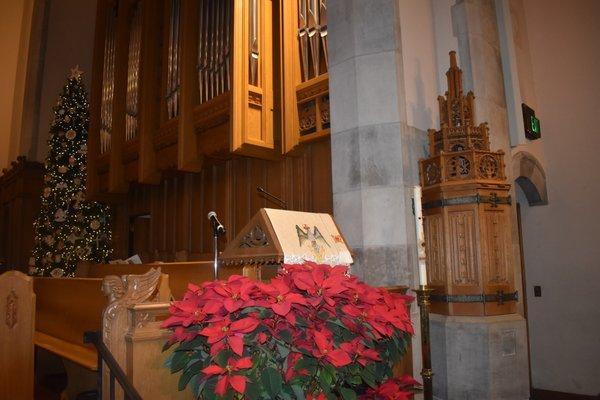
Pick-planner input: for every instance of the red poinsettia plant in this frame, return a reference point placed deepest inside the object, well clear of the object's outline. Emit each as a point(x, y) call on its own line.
point(313, 332)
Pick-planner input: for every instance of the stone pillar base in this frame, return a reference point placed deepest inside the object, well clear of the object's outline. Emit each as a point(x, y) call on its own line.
point(479, 358)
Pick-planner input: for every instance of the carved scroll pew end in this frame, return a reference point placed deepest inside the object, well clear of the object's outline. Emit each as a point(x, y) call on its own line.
point(125, 292)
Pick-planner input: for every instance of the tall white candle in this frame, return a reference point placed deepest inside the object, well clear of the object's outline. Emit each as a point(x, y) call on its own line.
point(420, 235)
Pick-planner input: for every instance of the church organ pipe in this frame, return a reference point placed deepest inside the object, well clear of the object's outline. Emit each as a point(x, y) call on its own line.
point(108, 82)
point(313, 34)
point(226, 54)
point(173, 71)
point(303, 38)
point(312, 38)
point(254, 42)
point(323, 30)
point(214, 48)
point(133, 68)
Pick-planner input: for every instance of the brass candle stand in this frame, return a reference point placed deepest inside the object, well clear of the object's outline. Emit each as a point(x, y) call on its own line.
point(424, 302)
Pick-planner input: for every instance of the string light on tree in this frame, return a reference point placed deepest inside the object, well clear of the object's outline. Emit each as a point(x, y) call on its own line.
point(62, 238)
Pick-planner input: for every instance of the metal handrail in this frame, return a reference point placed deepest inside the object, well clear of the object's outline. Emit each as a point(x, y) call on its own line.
point(104, 355)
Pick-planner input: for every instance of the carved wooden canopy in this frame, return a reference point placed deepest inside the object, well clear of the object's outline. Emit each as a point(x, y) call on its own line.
point(460, 150)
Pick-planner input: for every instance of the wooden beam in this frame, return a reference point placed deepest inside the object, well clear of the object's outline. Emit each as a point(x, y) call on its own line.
point(188, 157)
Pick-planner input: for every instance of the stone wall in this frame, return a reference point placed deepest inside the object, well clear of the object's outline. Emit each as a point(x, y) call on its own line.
point(561, 252)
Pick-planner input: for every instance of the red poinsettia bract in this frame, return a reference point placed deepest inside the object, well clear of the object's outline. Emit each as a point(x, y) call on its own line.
point(312, 328)
point(227, 377)
point(392, 389)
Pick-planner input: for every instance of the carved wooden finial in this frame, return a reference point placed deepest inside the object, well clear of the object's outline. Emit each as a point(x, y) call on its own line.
point(453, 63)
point(454, 77)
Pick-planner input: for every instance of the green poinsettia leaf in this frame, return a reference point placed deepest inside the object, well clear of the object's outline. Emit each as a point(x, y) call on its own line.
point(192, 344)
point(197, 386)
point(282, 350)
point(305, 363)
point(222, 357)
point(253, 391)
point(179, 360)
point(368, 378)
point(298, 392)
point(189, 372)
point(325, 378)
point(355, 379)
point(272, 381)
point(348, 394)
point(285, 335)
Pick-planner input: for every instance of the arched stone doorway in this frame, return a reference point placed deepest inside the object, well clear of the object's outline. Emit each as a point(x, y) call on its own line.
point(530, 177)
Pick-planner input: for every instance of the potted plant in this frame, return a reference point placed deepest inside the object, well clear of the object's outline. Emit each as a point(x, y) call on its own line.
point(313, 332)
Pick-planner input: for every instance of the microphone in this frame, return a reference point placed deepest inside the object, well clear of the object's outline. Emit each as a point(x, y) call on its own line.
point(282, 203)
point(217, 226)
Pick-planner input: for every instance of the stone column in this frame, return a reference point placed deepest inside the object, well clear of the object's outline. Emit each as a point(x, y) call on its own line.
point(374, 152)
point(482, 357)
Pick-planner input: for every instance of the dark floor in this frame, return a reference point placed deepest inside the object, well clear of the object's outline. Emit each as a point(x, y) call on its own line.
point(50, 386)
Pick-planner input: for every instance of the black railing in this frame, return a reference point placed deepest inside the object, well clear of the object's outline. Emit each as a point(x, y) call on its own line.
point(105, 356)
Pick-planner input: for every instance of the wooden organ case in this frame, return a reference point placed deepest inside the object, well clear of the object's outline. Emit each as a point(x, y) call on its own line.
point(199, 102)
point(467, 207)
point(177, 81)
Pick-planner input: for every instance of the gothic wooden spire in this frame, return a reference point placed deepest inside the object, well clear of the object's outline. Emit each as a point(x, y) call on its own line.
point(454, 77)
point(458, 131)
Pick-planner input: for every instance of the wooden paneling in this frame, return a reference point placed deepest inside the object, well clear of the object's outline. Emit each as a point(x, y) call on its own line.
point(17, 305)
point(177, 208)
point(20, 190)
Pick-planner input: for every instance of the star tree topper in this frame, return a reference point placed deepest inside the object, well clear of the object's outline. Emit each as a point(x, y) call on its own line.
point(76, 72)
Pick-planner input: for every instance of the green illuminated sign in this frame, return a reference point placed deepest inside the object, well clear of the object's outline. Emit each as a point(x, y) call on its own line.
point(532, 124)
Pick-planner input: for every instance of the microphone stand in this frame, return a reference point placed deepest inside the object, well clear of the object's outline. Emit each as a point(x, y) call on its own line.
point(216, 234)
point(216, 248)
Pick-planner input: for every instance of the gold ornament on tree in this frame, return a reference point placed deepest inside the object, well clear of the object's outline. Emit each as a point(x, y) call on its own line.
point(70, 134)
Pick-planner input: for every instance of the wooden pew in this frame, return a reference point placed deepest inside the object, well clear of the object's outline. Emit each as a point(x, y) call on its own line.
point(17, 308)
point(67, 307)
point(180, 273)
point(129, 319)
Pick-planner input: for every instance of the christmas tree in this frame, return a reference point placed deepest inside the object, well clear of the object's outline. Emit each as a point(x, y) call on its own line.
point(69, 228)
